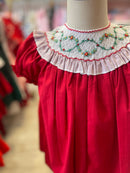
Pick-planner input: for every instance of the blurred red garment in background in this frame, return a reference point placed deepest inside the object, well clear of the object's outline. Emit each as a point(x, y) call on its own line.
point(3, 149)
point(13, 33)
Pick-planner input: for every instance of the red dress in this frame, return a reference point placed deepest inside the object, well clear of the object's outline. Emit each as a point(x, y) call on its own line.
point(84, 87)
point(3, 149)
point(5, 89)
point(13, 33)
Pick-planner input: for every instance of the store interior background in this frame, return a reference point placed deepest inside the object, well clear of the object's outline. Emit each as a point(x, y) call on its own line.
point(52, 13)
point(21, 122)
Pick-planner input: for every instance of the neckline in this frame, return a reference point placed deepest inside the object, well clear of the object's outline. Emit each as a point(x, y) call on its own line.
point(87, 31)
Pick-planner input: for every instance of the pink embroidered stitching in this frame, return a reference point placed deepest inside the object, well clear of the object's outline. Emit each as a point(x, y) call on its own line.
point(87, 31)
point(82, 59)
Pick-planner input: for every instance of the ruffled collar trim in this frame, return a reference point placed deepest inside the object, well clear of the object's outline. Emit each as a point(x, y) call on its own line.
point(60, 49)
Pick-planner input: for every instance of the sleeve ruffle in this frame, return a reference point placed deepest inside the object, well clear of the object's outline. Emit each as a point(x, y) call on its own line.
point(28, 61)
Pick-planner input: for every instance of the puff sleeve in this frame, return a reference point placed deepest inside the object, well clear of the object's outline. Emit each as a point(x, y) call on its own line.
point(28, 61)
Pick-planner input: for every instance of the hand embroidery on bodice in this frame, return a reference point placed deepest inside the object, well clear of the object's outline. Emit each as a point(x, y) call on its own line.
point(88, 45)
point(85, 52)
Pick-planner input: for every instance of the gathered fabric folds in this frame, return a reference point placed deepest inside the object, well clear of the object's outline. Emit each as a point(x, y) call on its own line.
point(84, 108)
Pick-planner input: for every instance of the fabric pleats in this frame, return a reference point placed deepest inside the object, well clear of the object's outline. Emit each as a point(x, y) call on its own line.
point(84, 120)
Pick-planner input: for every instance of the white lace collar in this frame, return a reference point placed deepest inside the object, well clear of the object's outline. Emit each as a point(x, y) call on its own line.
point(91, 52)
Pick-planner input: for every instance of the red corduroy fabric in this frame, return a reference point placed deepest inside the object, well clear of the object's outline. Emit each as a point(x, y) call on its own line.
point(84, 120)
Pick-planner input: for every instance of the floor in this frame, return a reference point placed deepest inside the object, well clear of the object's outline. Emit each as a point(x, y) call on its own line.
point(22, 137)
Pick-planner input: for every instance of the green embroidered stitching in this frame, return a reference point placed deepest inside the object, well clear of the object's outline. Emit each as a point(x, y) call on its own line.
point(98, 44)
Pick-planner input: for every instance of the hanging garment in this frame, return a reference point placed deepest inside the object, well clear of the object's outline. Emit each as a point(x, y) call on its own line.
point(13, 33)
point(51, 16)
point(42, 20)
point(58, 21)
point(84, 87)
point(4, 148)
point(2, 109)
point(13, 38)
point(5, 89)
point(7, 71)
